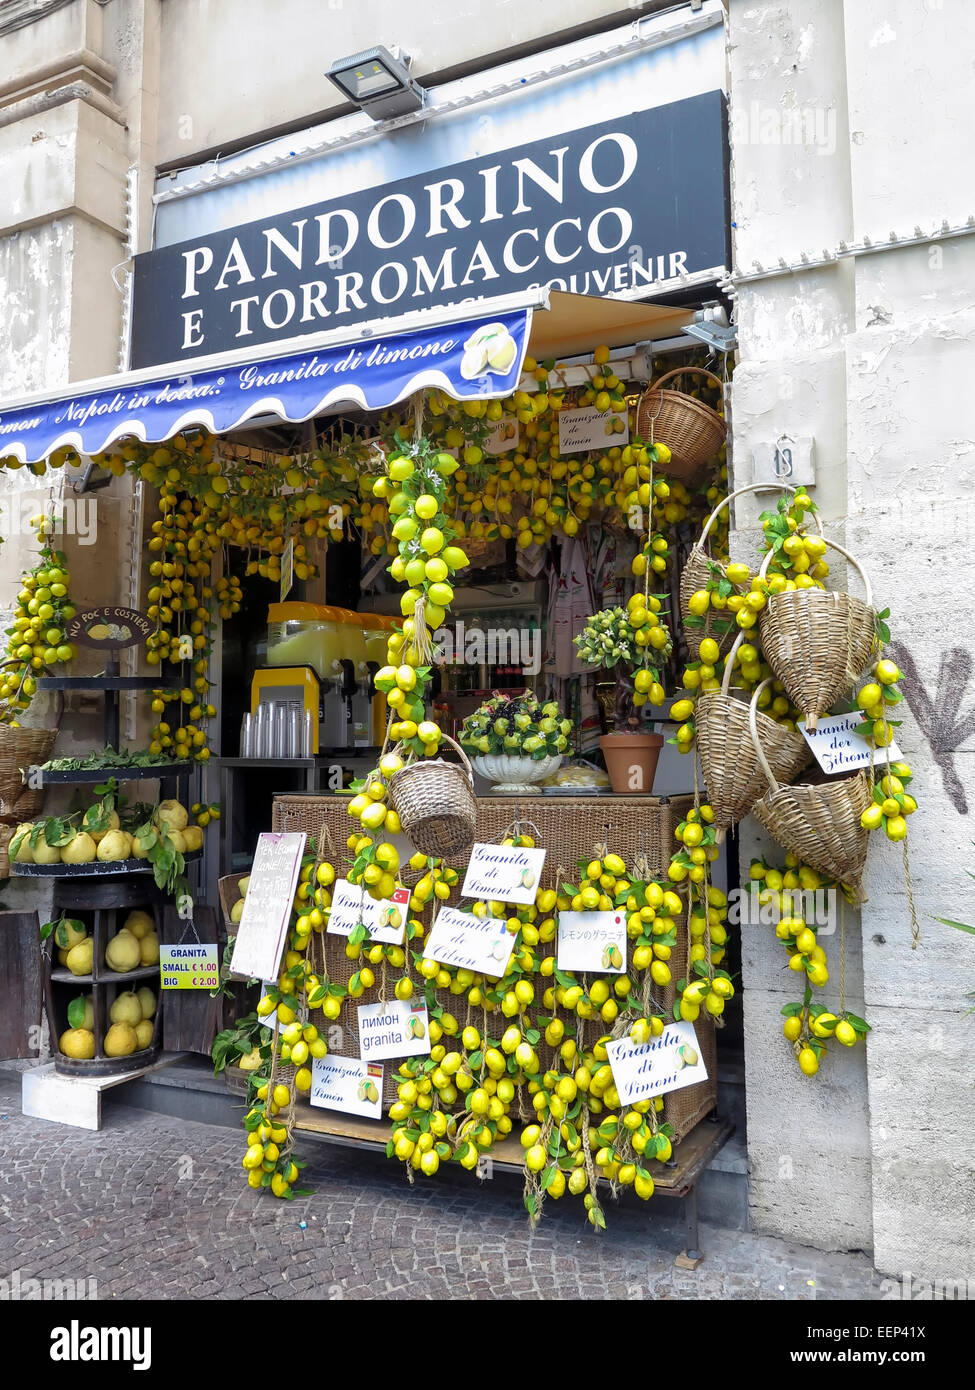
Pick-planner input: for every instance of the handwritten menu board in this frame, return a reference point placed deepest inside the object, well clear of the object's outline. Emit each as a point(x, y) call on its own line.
point(267, 906)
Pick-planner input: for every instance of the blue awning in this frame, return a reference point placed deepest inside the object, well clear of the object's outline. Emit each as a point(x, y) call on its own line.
point(476, 356)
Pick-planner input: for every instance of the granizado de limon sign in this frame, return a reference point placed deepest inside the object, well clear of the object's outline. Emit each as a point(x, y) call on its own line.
point(630, 206)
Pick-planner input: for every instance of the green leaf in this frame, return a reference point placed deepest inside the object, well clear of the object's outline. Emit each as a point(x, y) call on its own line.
point(790, 1010)
point(961, 926)
point(548, 1177)
point(47, 928)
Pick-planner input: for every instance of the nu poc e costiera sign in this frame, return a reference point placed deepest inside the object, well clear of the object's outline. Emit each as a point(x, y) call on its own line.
point(621, 206)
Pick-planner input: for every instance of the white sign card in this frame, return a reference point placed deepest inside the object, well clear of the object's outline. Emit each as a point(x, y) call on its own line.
point(589, 428)
point(505, 873)
point(837, 747)
point(663, 1064)
point(348, 1084)
point(504, 438)
point(481, 944)
point(267, 906)
point(398, 1028)
point(592, 941)
point(385, 920)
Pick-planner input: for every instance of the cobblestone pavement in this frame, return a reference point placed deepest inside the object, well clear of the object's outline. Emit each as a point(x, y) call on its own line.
point(157, 1207)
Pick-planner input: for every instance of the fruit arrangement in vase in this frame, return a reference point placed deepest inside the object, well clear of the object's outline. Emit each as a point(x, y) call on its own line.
point(515, 741)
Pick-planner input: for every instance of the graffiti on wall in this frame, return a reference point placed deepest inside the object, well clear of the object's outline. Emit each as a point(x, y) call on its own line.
point(938, 715)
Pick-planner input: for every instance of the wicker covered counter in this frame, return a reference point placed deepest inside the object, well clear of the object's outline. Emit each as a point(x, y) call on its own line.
point(569, 828)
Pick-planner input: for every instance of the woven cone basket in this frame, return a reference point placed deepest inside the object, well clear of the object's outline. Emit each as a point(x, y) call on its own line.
point(719, 624)
point(818, 643)
point(733, 775)
point(819, 823)
point(436, 804)
point(692, 431)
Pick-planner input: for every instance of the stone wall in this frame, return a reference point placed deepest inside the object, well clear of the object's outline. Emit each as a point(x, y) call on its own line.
point(872, 357)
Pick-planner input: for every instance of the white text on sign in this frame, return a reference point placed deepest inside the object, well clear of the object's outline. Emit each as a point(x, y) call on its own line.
point(592, 941)
point(666, 1063)
point(481, 944)
point(506, 873)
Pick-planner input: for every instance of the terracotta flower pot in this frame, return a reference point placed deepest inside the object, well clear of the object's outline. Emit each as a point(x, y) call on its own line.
point(631, 761)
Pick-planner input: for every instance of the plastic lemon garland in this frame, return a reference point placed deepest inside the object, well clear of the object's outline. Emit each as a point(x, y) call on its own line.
point(808, 1025)
point(36, 636)
point(414, 485)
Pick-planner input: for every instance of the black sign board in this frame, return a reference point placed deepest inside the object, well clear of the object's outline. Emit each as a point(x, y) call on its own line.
point(108, 627)
point(623, 205)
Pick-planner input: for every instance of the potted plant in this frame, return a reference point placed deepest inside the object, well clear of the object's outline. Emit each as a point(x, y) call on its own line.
point(626, 641)
point(515, 741)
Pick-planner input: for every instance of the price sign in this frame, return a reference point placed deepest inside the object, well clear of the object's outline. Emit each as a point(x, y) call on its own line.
point(189, 965)
point(267, 906)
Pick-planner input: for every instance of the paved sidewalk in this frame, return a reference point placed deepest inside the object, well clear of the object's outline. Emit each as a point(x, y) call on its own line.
point(154, 1207)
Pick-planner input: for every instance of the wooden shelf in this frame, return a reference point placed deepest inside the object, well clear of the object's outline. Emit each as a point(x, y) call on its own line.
point(61, 975)
point(120, 774)
point(690, 1156)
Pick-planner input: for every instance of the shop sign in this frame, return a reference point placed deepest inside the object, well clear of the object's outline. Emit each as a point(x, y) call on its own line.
point(592, 941)
point(469, 359)
point(267, 906)
point(666, 1063)
point(504, 873)
point(347, 1084)
point(189, 965)
point(398, 1028)
point(618, 207)
point(481, 944)
point(108, 627)
point(384, 920)
point(837, 747)
point(589, 428)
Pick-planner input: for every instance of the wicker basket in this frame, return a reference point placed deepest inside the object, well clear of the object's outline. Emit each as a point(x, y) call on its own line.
point(436, 804)
point(692, 431)
point(732, 774)
point(819, 822)
point(696, 573)
point(19, 749)
point(818, 643)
